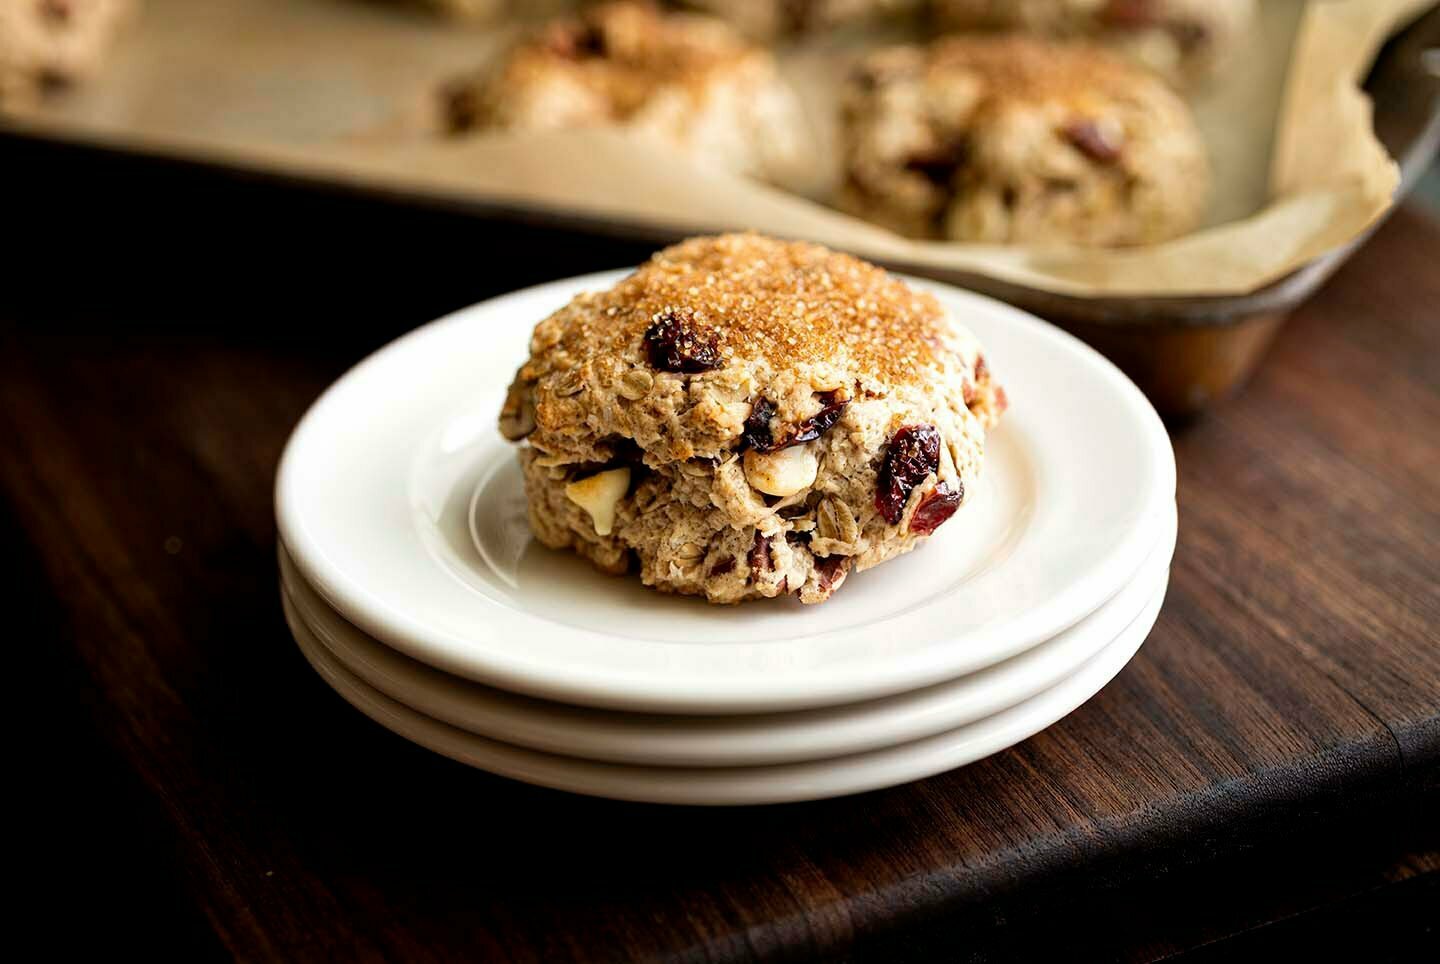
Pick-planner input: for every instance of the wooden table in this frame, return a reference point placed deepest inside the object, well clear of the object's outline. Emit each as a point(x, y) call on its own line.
point(1263, 777)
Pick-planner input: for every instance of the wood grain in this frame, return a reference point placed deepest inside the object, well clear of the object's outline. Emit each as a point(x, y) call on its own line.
point(1270, 753)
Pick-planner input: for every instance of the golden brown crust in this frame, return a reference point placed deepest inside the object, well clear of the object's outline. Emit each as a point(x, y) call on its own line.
point(777, 302)
point(1020, 69)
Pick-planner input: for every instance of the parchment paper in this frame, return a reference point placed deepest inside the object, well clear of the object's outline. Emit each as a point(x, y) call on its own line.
point(337, 89)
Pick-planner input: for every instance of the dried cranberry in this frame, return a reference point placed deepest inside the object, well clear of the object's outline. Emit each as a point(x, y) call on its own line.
point(591, 41)
point(831, 570)
point(935, 508)
point(818, 424)
point(913, 453)
point(1090, 139)
point(723, 566)
point(674, 346)
point(940, 165)
point(758, 435)
point(759, 556)
point(757, 426)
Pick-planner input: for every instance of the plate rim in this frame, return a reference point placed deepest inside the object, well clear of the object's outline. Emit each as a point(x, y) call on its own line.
point(761, 785)
point(866, 726)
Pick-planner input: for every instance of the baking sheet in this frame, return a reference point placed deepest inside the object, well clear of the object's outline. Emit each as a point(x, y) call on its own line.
point(339, 89)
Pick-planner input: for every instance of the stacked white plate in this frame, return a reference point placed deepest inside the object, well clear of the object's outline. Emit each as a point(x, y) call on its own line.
point(412, 585)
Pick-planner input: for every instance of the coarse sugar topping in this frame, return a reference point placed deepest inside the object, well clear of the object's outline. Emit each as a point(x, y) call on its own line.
point(784, 303)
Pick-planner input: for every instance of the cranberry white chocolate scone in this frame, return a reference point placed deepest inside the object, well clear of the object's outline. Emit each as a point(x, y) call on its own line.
point(46, 43)
point(1186, 40)
point(746, 418)
point(1009, 139)
point(686, 79)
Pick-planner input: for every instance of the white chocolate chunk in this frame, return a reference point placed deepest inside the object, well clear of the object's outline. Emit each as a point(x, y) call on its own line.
point(598, 494)
point(783, 472)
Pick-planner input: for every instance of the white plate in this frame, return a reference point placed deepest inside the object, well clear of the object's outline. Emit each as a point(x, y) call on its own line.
point(725, 740)
point(374, 493)
point(726, 786)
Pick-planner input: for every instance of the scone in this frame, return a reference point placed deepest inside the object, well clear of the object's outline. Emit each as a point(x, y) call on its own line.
point(745, 418)
point(1185, 40)
point(49, 43)
point(689, 80)
point(1009, 139)
point(772, 19)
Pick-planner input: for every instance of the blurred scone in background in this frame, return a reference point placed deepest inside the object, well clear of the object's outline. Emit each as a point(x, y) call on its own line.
point(686, 79)
point(1011, 139)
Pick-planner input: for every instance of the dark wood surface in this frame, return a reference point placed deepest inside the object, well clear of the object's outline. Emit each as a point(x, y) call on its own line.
point(1263, 778)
